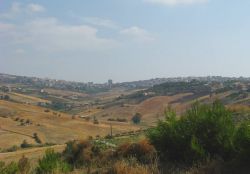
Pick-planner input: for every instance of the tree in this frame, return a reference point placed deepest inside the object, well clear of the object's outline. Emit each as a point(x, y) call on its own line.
point(136, 118)
point(25, 144)
point(203, 131)
point(37, 139)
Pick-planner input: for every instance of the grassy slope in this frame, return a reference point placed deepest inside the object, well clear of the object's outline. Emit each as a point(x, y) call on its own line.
point(52, 129)
point(33, 154)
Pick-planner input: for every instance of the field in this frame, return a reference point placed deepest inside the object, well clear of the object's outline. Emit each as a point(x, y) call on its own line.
point(21, 116)
point(51, 127)
point(33, 154)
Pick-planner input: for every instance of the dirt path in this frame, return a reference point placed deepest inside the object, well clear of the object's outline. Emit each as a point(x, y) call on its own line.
point(6, 130)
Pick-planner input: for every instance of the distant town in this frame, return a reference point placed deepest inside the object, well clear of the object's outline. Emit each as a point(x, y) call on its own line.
point(81, 86)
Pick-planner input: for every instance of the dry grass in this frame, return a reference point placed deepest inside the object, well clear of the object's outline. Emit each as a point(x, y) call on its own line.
point(26, 98)
point(142, 151)
point(124, 167)
point(238, 108)
point(32, 154)
point(64, 93)
point(49, 127)
point(153, 108)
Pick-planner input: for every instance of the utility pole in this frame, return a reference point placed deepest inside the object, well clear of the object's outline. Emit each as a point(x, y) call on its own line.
point(111, 130)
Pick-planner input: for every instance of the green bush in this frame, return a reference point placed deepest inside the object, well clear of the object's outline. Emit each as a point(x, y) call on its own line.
point(52, 163)
point(136, 118)
point(11, 168)
point(242, 142)
point(202, 132)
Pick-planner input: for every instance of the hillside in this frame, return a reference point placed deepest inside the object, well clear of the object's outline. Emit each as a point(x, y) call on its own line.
point(59, 115)
point(51, 127)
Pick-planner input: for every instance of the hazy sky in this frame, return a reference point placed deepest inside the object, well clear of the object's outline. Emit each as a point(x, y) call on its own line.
point(125, 40)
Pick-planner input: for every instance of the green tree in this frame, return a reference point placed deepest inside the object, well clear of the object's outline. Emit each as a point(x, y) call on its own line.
point(203, 131)
point(242, 142)
point(136, 118)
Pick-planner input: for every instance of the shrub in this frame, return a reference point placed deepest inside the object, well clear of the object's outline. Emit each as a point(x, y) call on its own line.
point(24, 165)
point(96, 121)
point(118, 119)
point(46, 110)
point(121, 120)
point(52, 163)
point(132, 167)
point(242, 142)
point(108, 136)
point(143, 151)
point(28, 121)
point(37, 139)
point(25, 144)
point(12, 149)
point(136, 118)
point(11, 168)
point(203, 131)
point(78, 153)
point(2, 165)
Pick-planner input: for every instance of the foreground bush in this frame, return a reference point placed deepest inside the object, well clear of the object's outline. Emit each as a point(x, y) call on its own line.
point(24, 165)
point(204, 131)
point(79, 153)
point(143, 151)
point(11, 168)
point(52, 163)
point(132, 167)
point(242, 143)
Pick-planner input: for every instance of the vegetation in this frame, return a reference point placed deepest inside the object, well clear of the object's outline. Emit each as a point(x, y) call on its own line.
point(58, 106)
point(242, 142)
point(142, 151)
point(25, 144)
point(131, 166)
point(171, 88)
point(118, 119)
point(136, 118)
point(204, 132)
point(52, 163)
point(205, 139)
point(11, 168)
point(78, 153)
point(24, 165)
point(37, 139)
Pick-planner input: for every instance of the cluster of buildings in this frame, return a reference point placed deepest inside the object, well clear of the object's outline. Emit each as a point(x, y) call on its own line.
point(80, 86)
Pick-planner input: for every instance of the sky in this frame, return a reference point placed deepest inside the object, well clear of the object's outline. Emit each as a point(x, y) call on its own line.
point(124, 40)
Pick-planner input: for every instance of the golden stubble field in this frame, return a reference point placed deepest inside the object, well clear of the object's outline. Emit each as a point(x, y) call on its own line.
point(151, 109)
point(50, 127)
